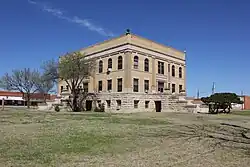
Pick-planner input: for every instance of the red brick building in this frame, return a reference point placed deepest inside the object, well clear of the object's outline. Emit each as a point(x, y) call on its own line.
point(17, 98)
point(246, 100)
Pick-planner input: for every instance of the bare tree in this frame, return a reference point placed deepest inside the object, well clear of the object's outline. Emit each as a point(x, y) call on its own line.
point(44, 85)
point(21, 80)
point(73, 68)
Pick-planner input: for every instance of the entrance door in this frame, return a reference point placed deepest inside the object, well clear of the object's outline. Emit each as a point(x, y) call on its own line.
point(158, 106)
point(88, 105)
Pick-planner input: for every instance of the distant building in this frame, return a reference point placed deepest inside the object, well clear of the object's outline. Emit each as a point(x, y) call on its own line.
point(134, 73)
point(245, 105)
point(18, 99)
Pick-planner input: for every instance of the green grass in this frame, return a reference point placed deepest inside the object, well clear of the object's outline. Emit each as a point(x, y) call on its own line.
point(44, 139)
point(35, 138)
point(242, 112)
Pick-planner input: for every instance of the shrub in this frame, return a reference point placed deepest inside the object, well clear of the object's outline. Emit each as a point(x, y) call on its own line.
point(57, 108)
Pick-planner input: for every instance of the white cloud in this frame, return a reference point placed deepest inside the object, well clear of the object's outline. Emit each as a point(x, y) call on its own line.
point(83, 22)
point(32, 2)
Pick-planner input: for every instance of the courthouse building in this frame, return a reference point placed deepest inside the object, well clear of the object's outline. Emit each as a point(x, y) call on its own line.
point(135, 74)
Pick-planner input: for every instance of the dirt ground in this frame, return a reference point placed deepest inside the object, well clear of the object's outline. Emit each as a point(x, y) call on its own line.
point(124, 140)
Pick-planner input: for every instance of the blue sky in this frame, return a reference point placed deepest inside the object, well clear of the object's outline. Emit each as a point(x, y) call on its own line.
point(215, 33)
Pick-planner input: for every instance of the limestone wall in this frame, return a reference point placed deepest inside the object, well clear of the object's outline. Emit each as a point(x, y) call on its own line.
point(169, 102)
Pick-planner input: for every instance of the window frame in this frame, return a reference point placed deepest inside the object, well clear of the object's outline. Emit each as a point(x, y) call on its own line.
point(109, 85)
point(120, 63)
point(180, 88)
point(119, 87)
point(110, 63)
point(173, 70)
point(100, 66)
point(136, 62)
point(146, 65)
point(99, 86)
point(160, 89)
point(180, 72)
point(160, 67)
point(147, 103)
point(173, 90)
point(84, 88)
point(146, 86)
point(135, 87)
point(136, 103)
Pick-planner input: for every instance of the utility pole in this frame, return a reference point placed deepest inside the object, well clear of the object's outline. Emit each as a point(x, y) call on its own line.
point(198, 94)
point(242, 96)
point(213, 88)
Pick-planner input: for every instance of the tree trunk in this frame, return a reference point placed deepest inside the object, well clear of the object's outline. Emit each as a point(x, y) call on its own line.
point(44, 98)
point(28, 100)
point(74, 104)
point(2, 104)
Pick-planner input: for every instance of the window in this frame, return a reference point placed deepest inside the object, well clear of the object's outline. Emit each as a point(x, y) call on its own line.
point(61, 88)
point(160, 86)
point(110, 63)
point(67, 87)
point(136, 85)
point(146, 85)
point(136, 60)
point(136, 102)
point(146, 104)
point(108, 103)
point(100, 66)
point(146, 65)
point(119, 62)
point(168, 67)
point(173, 71)
point(110, 84)
point(160, 67)
point(180, 88)
point(119, 103)
point(119, 85)
point(86, 87)
point(180, 72)
point(173, 88)
point(169, 86)
point(100, 86)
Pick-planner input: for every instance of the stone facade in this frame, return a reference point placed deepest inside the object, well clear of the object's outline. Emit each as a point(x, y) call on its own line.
point(130, 70)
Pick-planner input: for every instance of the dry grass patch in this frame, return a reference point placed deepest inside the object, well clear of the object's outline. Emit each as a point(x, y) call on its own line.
point(102, 139)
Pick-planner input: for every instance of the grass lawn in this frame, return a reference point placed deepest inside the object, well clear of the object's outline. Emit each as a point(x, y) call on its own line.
point(242, 112)
point(32, 138)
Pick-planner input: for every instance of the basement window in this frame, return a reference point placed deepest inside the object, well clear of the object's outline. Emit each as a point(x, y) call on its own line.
point(136, 102)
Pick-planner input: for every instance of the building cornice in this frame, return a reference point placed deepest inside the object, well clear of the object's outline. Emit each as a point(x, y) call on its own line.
point(152, 50)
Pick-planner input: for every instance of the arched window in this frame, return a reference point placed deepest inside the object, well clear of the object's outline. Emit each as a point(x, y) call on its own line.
point(136, 60)
point(173, 71)
point(146, 65)
point(180, 72)
point(119, 62)
point(100, 66)
point(110, 63)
